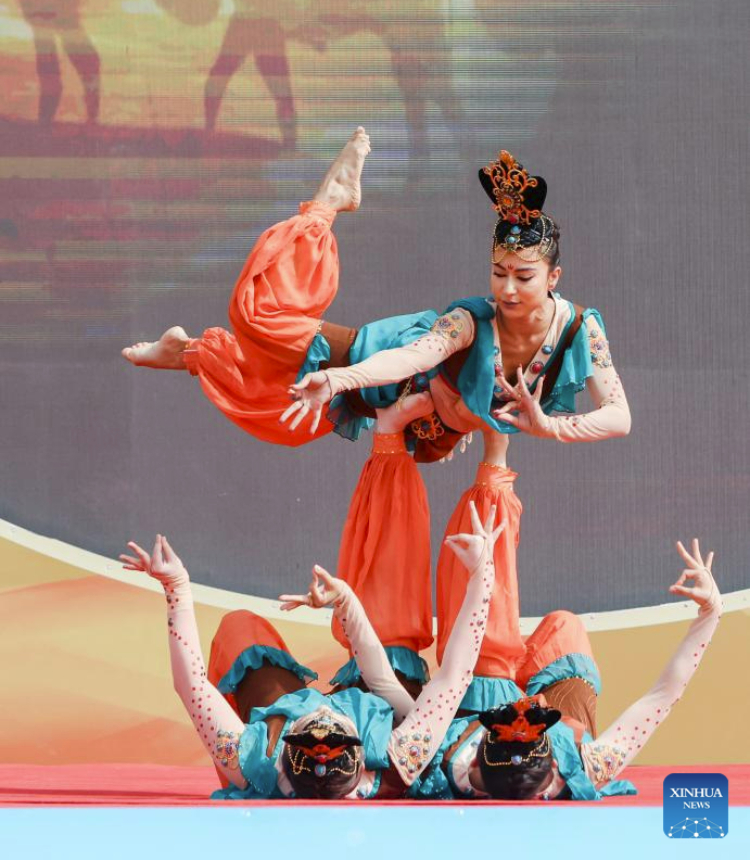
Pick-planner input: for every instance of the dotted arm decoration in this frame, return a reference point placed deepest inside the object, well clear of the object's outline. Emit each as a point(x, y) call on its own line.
point(218, 726)
point(611, 418)
point(414, 743)
point(395, 365)
point(632, 729)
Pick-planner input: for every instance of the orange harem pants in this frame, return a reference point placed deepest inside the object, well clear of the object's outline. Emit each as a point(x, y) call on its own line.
point(288, 282)
point(385, 547)
point(560, 641)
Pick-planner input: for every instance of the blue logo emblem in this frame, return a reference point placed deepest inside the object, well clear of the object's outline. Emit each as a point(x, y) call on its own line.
point(696, 806)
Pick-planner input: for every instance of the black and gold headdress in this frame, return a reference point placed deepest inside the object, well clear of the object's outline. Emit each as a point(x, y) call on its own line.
point(522, 228)
point(323, 747)
point(517, 732)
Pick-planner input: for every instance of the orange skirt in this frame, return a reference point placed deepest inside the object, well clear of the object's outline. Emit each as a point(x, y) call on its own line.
point(288, 282)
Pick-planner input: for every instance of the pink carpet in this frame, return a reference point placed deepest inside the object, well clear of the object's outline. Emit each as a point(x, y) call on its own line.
point(159, 785)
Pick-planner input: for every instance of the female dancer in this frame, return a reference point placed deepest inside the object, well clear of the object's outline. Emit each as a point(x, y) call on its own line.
point(272, 737)
point(502, 364)
point(544, 745)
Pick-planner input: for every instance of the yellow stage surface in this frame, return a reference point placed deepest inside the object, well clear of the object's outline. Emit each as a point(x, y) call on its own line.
point(86, 678)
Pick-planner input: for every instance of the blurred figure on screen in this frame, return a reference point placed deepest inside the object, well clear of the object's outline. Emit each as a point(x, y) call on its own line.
point(260, 29)
point(59, 21)
point(414, 33)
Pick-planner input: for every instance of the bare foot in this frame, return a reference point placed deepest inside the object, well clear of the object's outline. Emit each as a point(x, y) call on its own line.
point(164, 354)
point(401, 414)
point(341, 187)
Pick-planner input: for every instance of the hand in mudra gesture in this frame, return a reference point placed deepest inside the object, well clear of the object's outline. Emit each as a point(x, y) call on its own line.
point(163, 564)
point(530, 417)
point(704, 587)
point(324, 590)
point(310, 395)
point(472, 549)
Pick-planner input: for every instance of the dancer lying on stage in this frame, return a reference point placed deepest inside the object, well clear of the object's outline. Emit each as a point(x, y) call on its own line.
point(545, 746)
point(273, 737)
point(502, 363)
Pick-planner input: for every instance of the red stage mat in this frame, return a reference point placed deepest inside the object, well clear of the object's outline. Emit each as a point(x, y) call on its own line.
point(158, 785)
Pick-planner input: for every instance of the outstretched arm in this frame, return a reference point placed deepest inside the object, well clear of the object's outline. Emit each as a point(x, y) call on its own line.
point(610, 419)
point(414, 743)
point(450, 333)
point(615, 748)
point(218, 726)
point(367, 649)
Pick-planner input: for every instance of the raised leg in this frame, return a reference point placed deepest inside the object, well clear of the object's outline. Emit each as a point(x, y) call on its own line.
point(167, 353)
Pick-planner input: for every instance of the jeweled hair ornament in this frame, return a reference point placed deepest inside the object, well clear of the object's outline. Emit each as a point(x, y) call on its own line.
point(322, 747)
point(520, 729)
point(522, 228)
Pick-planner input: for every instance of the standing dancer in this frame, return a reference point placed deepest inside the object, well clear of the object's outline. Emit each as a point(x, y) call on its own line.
point(502, 364)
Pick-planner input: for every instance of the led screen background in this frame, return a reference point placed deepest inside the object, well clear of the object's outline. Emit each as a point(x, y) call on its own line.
point(145, 145)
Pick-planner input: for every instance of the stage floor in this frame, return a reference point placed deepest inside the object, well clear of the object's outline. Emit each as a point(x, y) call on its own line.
point(159, 785)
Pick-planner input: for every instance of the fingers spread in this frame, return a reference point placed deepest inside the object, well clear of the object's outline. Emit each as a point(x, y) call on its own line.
point(499, 530)
point(538, 389)
point(490, 521)
point(287, 413)
point(316, 420)
point(169, 553)
point(686, 557)
point(476, 523)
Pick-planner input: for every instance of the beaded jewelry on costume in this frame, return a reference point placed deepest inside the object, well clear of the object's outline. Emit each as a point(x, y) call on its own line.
point(227, 749)
point(540, 751)
point(429, 427)
point(448, 325)
point(599, 348)
point(414, 750)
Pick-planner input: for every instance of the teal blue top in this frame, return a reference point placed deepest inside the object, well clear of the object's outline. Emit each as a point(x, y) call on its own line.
point(476, 380)
point(372, 716)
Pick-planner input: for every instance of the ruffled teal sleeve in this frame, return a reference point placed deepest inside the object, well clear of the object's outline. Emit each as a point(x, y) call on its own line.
point(254, 657)
point(565, 667)
point(577, 367)
point(402, 659)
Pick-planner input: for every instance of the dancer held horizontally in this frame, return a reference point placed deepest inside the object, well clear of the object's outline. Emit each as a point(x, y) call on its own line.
point(544, 745)
point(272, 737)
point(502, 364)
